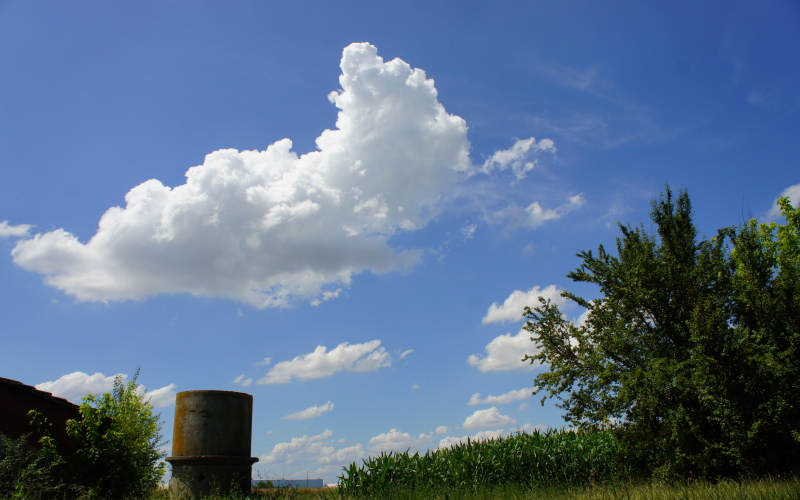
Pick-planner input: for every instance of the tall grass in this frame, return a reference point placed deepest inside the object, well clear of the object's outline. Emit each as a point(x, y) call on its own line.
point(541, 459)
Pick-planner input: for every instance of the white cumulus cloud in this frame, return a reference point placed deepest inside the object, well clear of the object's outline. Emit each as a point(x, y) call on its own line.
point(442, 429)
point(273, 226)
point(490, 417)
point(406, 353)
point(511, 309)
point(518, 157)
point(18, 231)
point(504, 398)
point(364, 357)
point(243, 380)
point(162, 397)
point(505, 353)
point(310, 412)
point(791, 192)
point(73, 386)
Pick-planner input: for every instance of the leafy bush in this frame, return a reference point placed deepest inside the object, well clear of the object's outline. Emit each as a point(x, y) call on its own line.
point(117, 442)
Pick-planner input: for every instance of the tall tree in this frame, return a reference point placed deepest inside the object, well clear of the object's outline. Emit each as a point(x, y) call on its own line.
point(691, 349)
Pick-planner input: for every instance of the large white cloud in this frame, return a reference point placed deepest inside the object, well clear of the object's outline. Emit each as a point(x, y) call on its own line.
point(9, 231)
point(504, 398)
point(490, 417)
point(73, 386)
point(505, 353)
point(310, 412)
point(266, 227)
point(791, 192)
point(364, 357)
point(511, 309)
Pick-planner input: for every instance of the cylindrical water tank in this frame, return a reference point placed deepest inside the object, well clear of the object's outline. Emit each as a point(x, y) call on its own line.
point(211, 442)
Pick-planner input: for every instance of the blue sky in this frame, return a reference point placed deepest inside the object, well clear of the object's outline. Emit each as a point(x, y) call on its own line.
point(363, 279)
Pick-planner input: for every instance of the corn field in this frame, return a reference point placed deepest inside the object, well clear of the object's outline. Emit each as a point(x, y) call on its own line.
point(540, 459)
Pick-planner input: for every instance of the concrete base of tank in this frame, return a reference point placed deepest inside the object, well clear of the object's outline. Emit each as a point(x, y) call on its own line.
point(200, 476)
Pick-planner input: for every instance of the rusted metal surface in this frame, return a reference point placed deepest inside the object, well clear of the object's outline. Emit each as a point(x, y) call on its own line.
point(211, 442)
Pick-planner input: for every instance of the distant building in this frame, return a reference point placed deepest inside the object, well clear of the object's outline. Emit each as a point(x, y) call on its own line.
point(292, 483)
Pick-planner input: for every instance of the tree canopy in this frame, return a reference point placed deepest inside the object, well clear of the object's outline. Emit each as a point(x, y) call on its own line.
point(691, 348)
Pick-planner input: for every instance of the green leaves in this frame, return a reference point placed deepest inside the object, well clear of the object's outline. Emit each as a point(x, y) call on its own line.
point(694, 346)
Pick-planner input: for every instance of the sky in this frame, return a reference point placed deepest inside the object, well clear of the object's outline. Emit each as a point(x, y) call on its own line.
point(343, 208)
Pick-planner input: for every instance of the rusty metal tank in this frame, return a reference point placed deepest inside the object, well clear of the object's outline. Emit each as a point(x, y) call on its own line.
point(211, 443)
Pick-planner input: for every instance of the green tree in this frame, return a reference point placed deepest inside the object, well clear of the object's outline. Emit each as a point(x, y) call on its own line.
point(691, 349)
point(117, 440)
point(114, 446)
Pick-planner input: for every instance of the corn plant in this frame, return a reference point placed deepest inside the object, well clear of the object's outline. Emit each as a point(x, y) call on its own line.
point(534, 460)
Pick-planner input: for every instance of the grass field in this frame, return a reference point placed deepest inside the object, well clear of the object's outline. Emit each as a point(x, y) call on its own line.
point(772, 488)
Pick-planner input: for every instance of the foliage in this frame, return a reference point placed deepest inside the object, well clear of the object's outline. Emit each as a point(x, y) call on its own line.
point(692, 347)
point(26, 471)
point(113, 451)
point(117, 440)
point(548, 458)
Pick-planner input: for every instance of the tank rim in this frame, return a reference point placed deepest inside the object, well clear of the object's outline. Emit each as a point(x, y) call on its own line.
point(215, 391)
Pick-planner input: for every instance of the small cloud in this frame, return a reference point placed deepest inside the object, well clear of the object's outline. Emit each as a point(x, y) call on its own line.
point(310, 412)
point(505, 353)
point(406, 353)
point(468, 231)
point(507, 397)
point(791, 192)
point(574, 78)
point(364, 357)
point(264, 362)
point(441, 429)
point(18, 231)
point(518, 157)
point(239, 312)
point(512, 307)
point(243, 381)
point(398, 441)
point(163, 397)
point(490, 417)
point(414, 387)
point(534, 215)
point(326, 296)
point(523, 406)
